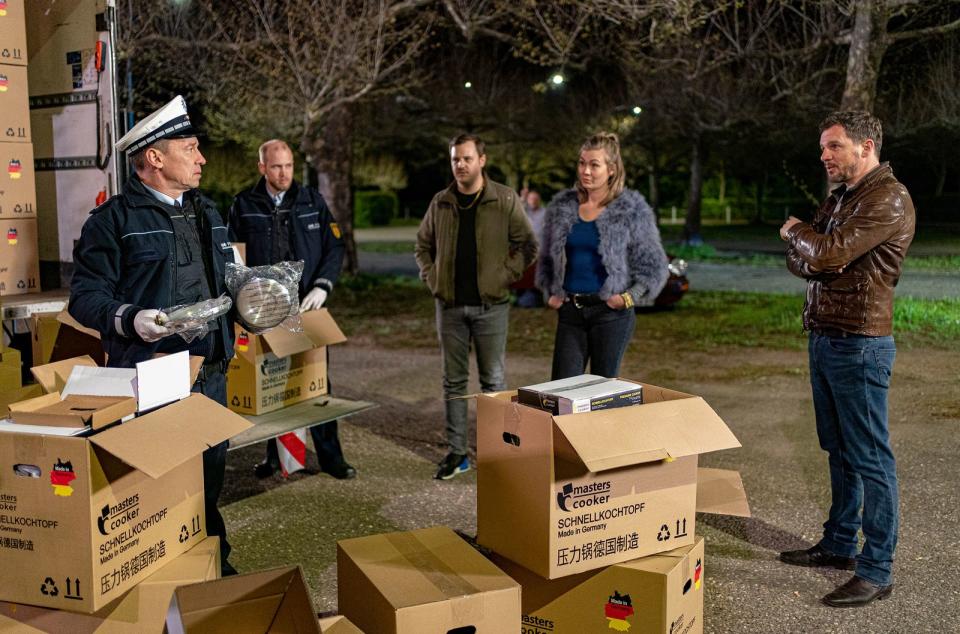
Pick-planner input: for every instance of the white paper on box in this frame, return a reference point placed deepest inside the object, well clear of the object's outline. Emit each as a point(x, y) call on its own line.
point(154, 383)
point(163, 380)
point(88, 380)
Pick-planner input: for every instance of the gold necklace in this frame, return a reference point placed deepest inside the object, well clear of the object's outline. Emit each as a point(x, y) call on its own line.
point(472, 202)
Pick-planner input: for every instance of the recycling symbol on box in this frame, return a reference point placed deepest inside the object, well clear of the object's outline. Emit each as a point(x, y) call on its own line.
point(50, 591)
point(184, 533)
point(664, 533)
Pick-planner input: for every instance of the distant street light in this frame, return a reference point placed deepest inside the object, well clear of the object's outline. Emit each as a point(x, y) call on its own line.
point(468, 84)
point(637, 110)
point(557, 79)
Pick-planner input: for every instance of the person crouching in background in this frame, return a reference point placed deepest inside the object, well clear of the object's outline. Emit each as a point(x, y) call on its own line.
point(601, 255)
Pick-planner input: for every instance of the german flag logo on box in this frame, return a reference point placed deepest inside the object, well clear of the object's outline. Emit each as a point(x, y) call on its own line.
point(12, 236)
point(14, 169)
point(243, 341)
point(60, 478)
point(3, 8)
point(618, 609)
point(3, 82)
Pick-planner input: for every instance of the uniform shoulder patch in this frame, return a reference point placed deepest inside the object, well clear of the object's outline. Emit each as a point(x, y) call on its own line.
point(335, 228)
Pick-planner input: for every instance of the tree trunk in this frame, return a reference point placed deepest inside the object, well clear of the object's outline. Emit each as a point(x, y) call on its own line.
point(761, 194)
point(722, 194)
point(868, 43)
point(330, 152)
point(691, 227)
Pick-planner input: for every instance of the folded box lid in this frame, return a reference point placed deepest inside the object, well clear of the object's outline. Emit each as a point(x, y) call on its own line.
point(720, 492)
point(319, 329)
point(624, 436)
point(52, 377)
point(424, 566)
point(165, 438)
point(72, 411)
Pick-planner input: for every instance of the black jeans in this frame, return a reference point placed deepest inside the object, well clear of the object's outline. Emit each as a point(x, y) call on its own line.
point(214, 387)
point(598, 334)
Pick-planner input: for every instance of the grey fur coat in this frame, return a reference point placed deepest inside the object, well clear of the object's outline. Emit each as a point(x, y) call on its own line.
point(630, 247)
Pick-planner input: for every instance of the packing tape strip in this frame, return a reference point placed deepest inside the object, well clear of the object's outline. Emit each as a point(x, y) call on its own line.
point(447, 580)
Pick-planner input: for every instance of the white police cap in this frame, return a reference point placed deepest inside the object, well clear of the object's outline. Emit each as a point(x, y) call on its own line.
point(169, 122)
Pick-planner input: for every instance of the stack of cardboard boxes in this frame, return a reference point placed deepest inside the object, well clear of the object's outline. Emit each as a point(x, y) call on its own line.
point(19, 258)
point(593, 513)
point(98, 528)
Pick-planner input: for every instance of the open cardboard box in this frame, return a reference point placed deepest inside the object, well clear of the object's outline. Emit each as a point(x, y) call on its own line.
point(142, 610)
point(273, 601)
point(280, 367)
point(565, 494)
point(659, 594)
point(98, 514)
point(427, 581)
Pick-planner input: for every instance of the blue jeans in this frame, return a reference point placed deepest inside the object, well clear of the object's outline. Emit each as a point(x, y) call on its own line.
point(850, 377)
point(598, 334)
point(457, 326)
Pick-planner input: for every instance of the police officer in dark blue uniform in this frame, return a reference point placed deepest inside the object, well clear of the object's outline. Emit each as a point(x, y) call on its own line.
point(279, 219)
point(159, 243)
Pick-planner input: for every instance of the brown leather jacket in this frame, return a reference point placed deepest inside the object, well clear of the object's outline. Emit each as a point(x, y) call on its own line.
point(851, 256)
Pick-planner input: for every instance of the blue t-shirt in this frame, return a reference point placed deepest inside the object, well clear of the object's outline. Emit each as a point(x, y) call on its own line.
point(585, 271)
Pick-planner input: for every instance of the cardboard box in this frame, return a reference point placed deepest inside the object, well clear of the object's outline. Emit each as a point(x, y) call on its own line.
point(60, 38)
point(13, 33)
point(660, 594)
point(565, 494)
point(272, 601)
point(70, 340)
point(19, 264)
point(90, 517)
point(142, 610)
point(426, 581)
point(18, 185)
point(584, 393)
point(338, 625)
point(11, 376)
point(14, 104)
point(281, 368)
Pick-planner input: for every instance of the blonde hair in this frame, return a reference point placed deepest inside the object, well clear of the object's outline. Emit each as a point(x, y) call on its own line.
point(266, 145)
point(610, 144)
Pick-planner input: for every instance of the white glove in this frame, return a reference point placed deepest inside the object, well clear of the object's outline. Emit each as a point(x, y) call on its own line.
point(314, 299)
point(145, 323)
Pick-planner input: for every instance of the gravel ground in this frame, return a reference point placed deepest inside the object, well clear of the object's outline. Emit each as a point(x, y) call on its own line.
point(763, 395)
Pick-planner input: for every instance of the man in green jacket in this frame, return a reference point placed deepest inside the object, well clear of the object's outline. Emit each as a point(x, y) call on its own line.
point(474, 241)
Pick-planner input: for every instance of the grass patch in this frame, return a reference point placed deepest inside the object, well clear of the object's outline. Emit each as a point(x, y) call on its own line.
point(385, 247)
point(398, 312)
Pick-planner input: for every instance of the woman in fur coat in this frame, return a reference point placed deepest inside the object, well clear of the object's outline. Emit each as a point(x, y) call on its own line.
point(601, 256)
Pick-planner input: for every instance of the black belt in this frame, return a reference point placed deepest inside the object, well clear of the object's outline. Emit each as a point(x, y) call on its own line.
point(210, 368)
point(585, 299)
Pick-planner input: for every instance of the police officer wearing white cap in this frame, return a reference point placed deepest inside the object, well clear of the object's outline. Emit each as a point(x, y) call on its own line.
point(159, 243)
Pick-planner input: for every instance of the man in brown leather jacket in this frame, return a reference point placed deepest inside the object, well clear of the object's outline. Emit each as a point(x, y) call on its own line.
point(851, 256)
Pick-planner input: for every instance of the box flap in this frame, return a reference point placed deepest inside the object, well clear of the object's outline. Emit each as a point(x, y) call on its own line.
point(607, 439)
point(67, 319)
point(338, 625)
point(721, 492)
point(72, 411)
point(319, 329)
point(283, 343)
point(17, 395)
point(46, 375)
point(159, 441)
point(276, 600)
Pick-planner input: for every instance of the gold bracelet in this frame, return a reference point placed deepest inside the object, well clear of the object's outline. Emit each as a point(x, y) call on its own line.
point(627, 300)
